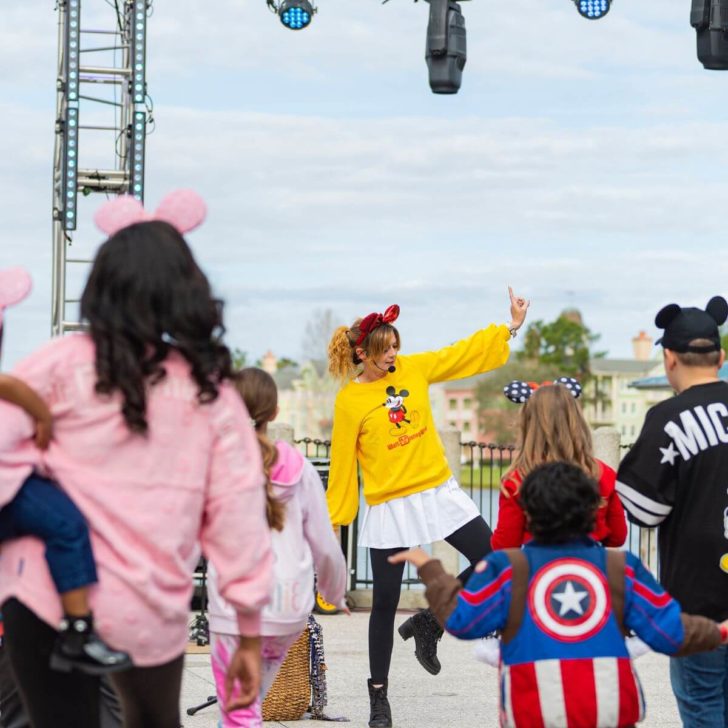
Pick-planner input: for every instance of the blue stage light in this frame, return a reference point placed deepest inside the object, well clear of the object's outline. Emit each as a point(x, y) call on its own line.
point(296, 14)
point(593, 9)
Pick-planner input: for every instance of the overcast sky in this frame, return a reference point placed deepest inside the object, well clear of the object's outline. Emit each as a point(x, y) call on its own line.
point(584, 163)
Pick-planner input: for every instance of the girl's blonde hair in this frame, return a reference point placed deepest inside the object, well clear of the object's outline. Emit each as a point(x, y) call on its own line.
point(259, 392)
point(553, 429)
point(343, 361)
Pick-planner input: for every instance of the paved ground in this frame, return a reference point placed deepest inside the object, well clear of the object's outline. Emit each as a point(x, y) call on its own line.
point(462, 695)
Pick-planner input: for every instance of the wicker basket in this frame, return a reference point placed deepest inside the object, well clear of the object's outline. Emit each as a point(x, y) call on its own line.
point(290, 694)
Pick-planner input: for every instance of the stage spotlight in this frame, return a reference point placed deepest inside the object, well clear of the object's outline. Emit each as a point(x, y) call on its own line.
point(593, 9)
point(710, 20)
point(446, 48)
point(296, 14)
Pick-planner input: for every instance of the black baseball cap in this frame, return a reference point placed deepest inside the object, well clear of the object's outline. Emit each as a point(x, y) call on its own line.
point(683, 325)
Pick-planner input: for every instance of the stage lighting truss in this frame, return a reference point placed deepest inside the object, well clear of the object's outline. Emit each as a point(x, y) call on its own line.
point(593, 9)
point(137, 24)
point(68, 126)
point(294, 14)
point(99, 68)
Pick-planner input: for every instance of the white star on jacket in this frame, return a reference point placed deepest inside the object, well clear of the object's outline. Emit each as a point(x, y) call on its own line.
point(669, 454)
point(570, 600)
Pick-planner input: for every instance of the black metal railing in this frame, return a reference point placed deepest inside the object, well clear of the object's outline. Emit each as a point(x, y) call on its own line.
point(482, 466)
point(314, 448)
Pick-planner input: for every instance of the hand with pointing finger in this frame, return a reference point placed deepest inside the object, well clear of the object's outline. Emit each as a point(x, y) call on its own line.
point(519, 308)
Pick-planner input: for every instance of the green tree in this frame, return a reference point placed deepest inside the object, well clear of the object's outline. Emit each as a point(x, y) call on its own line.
point(564, 345)
point(550, 350)
point(239, 357)
point(285, 363)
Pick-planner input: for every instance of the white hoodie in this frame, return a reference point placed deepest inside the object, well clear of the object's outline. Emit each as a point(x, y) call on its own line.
point(306, 543)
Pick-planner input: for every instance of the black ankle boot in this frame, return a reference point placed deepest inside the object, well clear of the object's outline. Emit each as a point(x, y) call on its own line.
point(427, 632)
point(78, 647)
point(380, 714)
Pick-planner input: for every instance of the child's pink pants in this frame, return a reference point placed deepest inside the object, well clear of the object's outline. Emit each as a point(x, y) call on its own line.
point(273, 652)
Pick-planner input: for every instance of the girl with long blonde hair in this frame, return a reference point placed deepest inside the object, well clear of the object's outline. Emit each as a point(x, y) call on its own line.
point(553, 429)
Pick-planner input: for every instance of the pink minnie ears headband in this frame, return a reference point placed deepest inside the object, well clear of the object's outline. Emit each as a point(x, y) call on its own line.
point(375, 320)
point(15, 285)
point(183, 209)
point(519, 392)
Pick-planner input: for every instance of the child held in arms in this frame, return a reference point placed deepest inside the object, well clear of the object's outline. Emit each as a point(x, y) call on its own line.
point(564, 604)
point(41, 508)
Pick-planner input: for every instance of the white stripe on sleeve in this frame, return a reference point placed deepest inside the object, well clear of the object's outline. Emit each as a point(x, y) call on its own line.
point(645, 510)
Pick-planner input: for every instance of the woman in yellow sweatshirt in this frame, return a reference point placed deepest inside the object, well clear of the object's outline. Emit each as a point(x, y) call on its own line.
point(383, 422)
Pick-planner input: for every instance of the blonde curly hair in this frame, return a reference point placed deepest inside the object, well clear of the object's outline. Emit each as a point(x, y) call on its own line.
point(344, 364)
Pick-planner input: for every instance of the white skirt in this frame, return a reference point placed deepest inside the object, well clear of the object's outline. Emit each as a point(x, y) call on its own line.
point(417, 519)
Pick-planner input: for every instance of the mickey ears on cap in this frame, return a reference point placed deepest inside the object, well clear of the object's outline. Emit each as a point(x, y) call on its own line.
point(717, 309)
point(666, 315)
point(183, 209)
point(519, 392)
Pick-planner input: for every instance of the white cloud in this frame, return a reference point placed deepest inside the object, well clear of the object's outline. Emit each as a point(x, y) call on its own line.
point(582, 162)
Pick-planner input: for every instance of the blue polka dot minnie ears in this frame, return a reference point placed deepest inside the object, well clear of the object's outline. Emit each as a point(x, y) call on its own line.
point(519, 392)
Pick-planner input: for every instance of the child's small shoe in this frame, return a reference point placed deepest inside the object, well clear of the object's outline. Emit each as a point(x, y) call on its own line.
point(79, 647)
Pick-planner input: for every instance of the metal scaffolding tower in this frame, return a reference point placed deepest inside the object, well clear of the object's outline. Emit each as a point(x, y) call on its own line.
point(122, 79)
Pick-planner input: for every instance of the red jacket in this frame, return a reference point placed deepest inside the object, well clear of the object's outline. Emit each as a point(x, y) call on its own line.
point(511, 532)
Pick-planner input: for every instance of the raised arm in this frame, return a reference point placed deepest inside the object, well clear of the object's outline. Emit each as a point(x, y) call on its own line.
point(485, 350)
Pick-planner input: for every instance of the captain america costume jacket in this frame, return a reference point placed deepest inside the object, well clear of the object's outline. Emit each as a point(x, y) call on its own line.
point(563, 655)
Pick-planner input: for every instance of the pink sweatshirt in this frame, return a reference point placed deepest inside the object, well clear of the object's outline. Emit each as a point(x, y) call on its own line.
point(150, 501)
point(307, 542)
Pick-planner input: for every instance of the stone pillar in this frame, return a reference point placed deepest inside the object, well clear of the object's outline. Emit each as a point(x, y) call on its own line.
point(280, 431)
point(606, 445)
point(441, 549)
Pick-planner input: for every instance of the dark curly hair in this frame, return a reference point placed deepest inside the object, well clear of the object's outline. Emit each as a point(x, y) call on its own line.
point(560, 501)
point(145, 296)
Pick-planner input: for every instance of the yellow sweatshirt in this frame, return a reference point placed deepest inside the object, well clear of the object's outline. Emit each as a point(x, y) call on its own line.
point(387, 425)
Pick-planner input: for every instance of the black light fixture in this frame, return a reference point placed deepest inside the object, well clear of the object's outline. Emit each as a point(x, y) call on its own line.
point(710, 20)
point(294, 14)
point(446, 48)
point(593, 9)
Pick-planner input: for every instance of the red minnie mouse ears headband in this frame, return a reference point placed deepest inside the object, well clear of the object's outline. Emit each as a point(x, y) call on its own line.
point(519, 392)
point(375, 320)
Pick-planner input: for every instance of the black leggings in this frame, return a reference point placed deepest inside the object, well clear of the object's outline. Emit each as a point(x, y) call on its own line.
point(472, 540)
point(149, 695)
